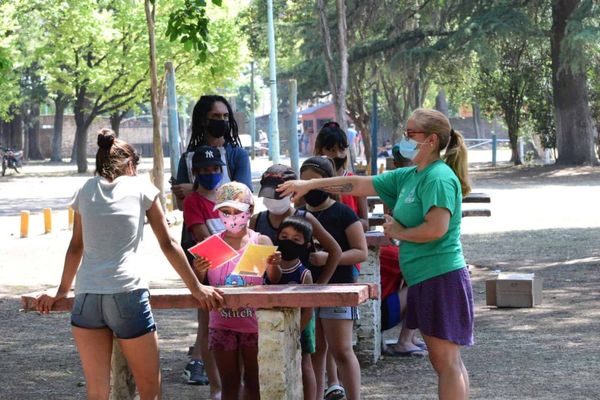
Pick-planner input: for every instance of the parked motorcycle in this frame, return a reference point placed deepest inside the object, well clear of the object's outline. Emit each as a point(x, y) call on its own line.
point(11, 159)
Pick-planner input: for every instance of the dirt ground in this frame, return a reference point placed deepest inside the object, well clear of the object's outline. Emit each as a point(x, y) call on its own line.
point(544, 220)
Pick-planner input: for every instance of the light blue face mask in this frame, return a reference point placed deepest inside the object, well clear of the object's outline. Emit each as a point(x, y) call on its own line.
point(408, 148)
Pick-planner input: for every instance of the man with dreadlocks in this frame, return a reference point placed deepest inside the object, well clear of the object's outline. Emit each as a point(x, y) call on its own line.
point(213, 124)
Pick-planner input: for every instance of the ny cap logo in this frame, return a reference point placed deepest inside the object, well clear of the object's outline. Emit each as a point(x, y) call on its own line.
point(209, 154)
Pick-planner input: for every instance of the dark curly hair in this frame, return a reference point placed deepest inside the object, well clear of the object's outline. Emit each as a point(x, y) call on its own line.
point(200, 117)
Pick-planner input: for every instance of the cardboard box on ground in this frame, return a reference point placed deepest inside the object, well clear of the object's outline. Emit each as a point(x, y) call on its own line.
point(514, 290)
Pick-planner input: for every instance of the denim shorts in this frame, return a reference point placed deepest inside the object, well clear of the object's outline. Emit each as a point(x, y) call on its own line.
point(350, 313)
point(127, 314)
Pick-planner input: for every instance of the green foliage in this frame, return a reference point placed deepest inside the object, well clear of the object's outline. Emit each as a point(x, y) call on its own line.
point(582, 36)
point(189, 24)
point(540, 106)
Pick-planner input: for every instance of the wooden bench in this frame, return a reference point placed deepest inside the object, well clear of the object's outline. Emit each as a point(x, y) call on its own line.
point(278, 314)
point(372, 201)
point(472, 198)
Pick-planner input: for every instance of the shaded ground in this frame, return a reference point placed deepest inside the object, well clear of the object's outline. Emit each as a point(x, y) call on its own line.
point(544, 220)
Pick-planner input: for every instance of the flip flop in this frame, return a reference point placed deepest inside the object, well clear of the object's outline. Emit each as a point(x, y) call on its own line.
point(418, 353)
point(420, 344)
point(335, 392)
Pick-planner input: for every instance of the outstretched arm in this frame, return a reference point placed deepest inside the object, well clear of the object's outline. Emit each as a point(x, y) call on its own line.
point(352, 185)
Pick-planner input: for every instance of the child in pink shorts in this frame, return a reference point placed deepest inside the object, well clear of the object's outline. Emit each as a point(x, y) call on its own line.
point(234, 332)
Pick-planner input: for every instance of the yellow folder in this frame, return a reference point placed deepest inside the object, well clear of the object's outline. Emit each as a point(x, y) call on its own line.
point(254, 260)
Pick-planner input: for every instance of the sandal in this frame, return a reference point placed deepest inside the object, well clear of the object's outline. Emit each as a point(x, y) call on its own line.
point(335, 392)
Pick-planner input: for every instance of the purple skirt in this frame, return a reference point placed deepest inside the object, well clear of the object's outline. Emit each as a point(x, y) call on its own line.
point(442, 307)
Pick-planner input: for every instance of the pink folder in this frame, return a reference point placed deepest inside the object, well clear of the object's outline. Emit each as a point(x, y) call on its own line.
point(215, 250)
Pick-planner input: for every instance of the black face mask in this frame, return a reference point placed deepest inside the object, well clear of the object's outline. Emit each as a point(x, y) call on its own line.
point(217, 127)
point(339, 162)
point(291, 250)
point(315, 197)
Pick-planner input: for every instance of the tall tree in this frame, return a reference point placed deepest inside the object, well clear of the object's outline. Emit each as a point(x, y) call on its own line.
point(574, 124)
point(158, 167)
point(61, 100)
point(337, 70)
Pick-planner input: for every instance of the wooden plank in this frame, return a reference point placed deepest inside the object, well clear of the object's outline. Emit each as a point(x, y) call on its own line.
point(476, 213)
point(378, 219)
point(477, 198)
point(262, 296)
point(372, 201)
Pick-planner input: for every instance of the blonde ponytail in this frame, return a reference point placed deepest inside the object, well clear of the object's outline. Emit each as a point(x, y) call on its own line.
point(457, 159)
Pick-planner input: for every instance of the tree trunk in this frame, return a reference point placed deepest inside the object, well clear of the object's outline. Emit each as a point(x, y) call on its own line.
point(59, 105)
point(512, 122)
point(477, 125)
point(574, 125)
point(158, 167)
point(337, 86)
point(82, 123)
point(74, 151)
point(32, 130)
point(14, 131)
point(440, 102)
point(115, 121)
point(81, 133)
point(343, 55)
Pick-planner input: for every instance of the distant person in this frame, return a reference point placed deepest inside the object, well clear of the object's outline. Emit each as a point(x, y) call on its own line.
point(426, 201)
point(213, 124)
point(111, 298)
point(352, 135)
point(386, 149)
point(360, 146)
point(263, 140)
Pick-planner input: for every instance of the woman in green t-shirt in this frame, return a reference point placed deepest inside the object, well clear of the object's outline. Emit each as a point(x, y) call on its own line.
point(426, 201)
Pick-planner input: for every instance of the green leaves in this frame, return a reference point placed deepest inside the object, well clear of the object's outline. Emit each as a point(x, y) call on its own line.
point(189, 25)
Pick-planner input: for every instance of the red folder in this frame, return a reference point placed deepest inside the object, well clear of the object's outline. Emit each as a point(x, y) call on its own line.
point(215, 250)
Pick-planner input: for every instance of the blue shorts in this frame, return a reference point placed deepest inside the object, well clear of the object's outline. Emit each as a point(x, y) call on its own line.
point(127, 314)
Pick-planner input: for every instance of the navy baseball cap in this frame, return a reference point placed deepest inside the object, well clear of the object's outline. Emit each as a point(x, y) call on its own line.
point(206, 156)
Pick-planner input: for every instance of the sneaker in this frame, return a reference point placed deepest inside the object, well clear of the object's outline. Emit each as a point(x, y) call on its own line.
point(195, 374)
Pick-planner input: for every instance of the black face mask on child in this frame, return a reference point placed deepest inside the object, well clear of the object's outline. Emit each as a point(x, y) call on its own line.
point(315, 197)
point(291, 250)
